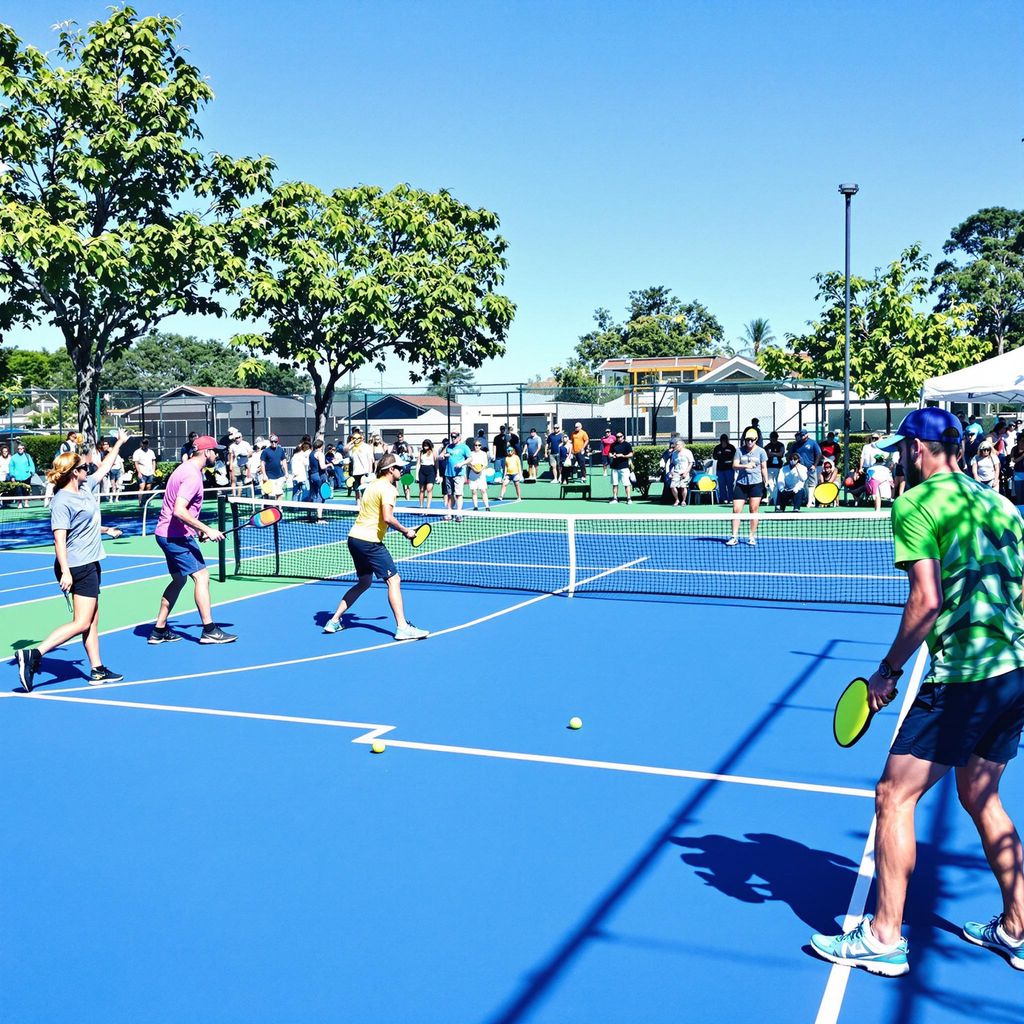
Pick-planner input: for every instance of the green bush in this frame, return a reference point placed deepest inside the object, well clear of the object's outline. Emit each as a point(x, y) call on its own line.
point(12, 489)
point(645, 465)
point(42, 448)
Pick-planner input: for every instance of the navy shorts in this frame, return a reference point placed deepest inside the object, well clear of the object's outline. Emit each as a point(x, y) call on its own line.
point(183, 555)
point(740, 492)
point(148, 481)
point(371, 557)
point(85, 579)
point(951, 721)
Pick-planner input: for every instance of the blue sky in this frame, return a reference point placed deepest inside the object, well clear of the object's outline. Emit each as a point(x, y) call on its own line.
point(692, 145)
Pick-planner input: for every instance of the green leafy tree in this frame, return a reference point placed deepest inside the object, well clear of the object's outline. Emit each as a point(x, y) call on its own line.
point(97, 232)
point(990, 275)
point(29, 368)
point(353, 277)
point(657, 324)
point(454, 379)
point(894, 343)
point(576, 383)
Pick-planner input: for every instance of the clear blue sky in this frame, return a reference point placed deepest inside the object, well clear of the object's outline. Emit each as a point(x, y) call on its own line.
point(692, 145)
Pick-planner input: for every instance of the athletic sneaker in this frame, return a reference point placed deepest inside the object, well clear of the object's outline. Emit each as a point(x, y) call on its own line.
point(28, 665)
point(410, 632)
point(216, 635)
point(333, 626)
point(860, 948)
point(101, 674)
point(162, 636)
point(752, 541)
point(731, 542)
point(993, 936)
point(614, 501)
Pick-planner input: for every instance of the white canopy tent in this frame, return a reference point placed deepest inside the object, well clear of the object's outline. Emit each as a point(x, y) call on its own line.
point(999, 380)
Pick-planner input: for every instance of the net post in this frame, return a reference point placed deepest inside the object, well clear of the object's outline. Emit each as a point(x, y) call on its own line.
point(570, 535)
point(222, 548)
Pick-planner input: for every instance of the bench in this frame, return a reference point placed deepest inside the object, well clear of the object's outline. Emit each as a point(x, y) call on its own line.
point(575, 488)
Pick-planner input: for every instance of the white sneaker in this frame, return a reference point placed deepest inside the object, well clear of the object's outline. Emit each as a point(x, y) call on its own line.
point(410, 632)
point(731, 542)
point(614, 501)
point(752, 541)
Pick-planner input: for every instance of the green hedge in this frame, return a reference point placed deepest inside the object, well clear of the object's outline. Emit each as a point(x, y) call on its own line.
point(11, 489)
point(42, 448)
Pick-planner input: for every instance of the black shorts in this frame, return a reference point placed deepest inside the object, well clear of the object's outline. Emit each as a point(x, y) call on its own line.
point(951, 721)
point(744, 491)
point(428, 475)
point(85, 579)
point(371, 558)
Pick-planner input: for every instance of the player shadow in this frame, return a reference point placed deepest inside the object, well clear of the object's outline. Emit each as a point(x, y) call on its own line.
point(54, 671)
point(762, 868)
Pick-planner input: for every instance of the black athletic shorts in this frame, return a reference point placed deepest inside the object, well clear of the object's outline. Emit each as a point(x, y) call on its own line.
point(85, 579)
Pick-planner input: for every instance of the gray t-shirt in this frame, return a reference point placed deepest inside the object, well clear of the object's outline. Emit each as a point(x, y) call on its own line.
point(79, 514)
point(748, 465)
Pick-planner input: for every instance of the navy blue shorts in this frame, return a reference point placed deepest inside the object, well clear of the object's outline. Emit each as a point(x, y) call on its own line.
point(951, 721)
point(183, 555)
point(85, 579)
point(371, 557)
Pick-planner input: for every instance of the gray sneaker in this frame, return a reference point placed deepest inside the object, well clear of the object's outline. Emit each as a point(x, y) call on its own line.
point(410, 632)
point(216, 635)
point(162, 636)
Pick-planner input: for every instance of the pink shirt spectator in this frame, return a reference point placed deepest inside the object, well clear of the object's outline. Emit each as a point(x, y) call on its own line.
point(185, 482)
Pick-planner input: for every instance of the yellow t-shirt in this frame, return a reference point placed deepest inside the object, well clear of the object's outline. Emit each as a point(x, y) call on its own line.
point(369, 524)
point(512, 464)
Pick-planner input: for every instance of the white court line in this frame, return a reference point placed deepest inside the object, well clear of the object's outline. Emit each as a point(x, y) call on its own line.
point(839, 976)
point(44, 550)
point(441, 748)
point(113, 586)
point(320, 657)
point(51, 582)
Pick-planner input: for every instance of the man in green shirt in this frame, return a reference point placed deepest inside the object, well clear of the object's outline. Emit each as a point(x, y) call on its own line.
point(962, 546)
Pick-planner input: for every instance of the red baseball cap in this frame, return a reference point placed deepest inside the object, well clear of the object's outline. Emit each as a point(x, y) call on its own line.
point(204, 443)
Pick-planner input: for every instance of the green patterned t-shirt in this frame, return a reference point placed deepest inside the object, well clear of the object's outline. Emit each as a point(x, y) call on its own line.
point(977, 536)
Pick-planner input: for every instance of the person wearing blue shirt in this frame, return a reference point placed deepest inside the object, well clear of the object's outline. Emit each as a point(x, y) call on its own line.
point(455, 475)
point(809, 453)
point(275, 468)
point(533, 447)
point(554, 461)
point(22, 468)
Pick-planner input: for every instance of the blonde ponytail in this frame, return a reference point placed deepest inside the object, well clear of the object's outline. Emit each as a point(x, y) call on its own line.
point(63, 470)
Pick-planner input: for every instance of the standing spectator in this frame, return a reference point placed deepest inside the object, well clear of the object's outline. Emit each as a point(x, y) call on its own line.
point(554, 459)
point(21, 469)
point(239, 454)
point(454, 482)
point(96, 458)
point(565, 452)
point(775, 451)
point(477, 464)
point(607, 440)
point(809, 454)
point(513, 442)
point(513, 475)
point(5, 462)
point(300, 471)
point(973, 434)
point(621, 453)
point(1016, 460)
point(985, 466)
point(116, 473)
point(70, 443)
point(751, 483)
point(793, 483)
point(755, 426)
point(361, 455)
point(680, 465)
point(316, 473)
point(185, 451)
point(144, 460)
point(724, 454)
point(76, 526)
point(481, 436)
point(401, 451)
point(500, 450)
point(274, 464)
point(580, 439)
point(869, 451)
point(878, 482)
point(426, 472)
point(534, 444)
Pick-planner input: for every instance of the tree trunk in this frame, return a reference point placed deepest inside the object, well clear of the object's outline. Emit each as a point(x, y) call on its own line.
point(88, 380)
point(888, 416)
point(323, 397)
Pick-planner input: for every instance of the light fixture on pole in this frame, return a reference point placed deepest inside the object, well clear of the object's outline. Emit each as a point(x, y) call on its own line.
point(848, 191)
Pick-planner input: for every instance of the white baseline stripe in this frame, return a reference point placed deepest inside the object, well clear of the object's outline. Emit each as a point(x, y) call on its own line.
point(838, 976)
point(126, 583)
point(52, 582)
point(504, 755)
point(44, 550)
point(319, 657)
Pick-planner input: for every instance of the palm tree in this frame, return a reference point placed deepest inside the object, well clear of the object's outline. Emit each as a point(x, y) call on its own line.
point(758, 333)
point(454, 378)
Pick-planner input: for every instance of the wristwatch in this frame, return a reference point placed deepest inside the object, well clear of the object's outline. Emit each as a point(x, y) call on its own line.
point(886, 671)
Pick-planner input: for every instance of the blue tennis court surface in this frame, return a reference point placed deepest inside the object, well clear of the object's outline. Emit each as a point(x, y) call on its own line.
point(213, 839)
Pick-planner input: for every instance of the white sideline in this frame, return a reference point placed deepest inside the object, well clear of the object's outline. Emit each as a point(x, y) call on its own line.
point(376, 731)
point(838, 977)
point(51, 582)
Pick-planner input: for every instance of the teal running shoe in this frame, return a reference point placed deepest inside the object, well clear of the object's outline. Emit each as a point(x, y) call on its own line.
point(993, 936)
point(860, 948)
point(332, 626)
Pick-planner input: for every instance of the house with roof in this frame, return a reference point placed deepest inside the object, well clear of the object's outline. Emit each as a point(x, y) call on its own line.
point(418, 416)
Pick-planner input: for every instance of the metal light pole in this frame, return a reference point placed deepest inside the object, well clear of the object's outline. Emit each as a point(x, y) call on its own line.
point(848, 191)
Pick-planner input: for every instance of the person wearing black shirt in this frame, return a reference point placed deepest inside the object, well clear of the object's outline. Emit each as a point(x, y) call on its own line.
point(776, 452)
point(621, 453)
point(500, 450)
point(724, 455)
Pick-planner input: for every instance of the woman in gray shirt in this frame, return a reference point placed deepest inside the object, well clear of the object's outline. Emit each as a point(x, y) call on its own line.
point(76, 526)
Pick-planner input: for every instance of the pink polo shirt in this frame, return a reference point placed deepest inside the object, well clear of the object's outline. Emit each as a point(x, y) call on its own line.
point(185, 482)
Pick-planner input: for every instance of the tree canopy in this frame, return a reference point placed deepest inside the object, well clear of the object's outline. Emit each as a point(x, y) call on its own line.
point(349, 278)
point(989, 274)
point(894, 343)
point(98, 235)
point(657, 324)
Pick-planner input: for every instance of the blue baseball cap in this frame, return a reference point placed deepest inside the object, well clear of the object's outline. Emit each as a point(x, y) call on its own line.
point(931, 424)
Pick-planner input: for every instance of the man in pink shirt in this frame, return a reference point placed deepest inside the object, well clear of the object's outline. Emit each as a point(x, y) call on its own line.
point(178, 531)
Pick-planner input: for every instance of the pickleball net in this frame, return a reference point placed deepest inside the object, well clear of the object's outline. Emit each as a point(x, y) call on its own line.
point(827, 558)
